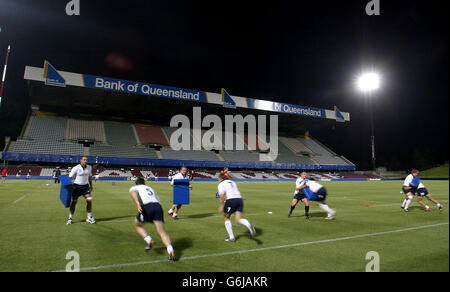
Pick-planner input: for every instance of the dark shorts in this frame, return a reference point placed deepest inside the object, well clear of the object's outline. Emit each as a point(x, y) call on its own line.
point(413, 191)
point(151, 212)
point(80, 190)
point(422, 192)
point(233, 205)
point(321, 195)
point(299, 196)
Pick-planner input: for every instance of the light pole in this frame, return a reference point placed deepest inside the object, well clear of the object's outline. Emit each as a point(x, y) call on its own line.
point(367, 83)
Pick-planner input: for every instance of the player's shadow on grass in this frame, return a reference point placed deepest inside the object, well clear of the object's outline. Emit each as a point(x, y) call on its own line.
point(420, 208)
point(259, 232)
point(312, 215)
point(197, 216)
point(115, 218)
point(179, 245)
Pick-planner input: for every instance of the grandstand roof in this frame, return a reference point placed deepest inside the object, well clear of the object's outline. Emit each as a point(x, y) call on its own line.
point(86, 96)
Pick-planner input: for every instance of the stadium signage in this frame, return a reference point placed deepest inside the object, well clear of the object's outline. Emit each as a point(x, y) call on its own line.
point(143, 88)
point(212, 139)
point(286, 108)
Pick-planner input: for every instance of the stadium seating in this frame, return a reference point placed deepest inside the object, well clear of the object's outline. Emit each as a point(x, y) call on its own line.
point(295, 145)
point(285, 155)
point(121, 143)
point(85, 130)
point(151, 135)
point(46, 136)
point(321, 154)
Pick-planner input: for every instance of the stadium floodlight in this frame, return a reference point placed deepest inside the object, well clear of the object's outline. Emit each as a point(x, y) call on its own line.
point(368, 82)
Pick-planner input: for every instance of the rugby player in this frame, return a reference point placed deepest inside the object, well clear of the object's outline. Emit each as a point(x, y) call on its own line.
point(231, 202)
point(82, 186)
point(308, 190)
point(409, 188)
point(423, 192)
point(183, 174)
point(149, 211)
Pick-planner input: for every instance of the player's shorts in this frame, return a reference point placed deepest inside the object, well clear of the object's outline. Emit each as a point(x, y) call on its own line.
point(413, 191)
point(299, 196)
point(233, 205)
point(151, 212)
point(422, 192)
point(80, 190)
point(321, 195)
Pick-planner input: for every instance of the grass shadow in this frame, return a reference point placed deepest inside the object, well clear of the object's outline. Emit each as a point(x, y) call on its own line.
point(259, 232)
point(197, 216)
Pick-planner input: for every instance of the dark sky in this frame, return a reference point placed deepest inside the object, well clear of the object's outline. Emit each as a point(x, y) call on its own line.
point(302, 52)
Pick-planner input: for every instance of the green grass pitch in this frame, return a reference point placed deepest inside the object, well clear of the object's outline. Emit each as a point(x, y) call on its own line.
point(35, 237)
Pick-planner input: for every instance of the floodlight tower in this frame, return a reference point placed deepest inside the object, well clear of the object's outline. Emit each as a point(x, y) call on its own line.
point(368, 83)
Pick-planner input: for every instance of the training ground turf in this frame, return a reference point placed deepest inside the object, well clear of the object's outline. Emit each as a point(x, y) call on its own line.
point(35, 237)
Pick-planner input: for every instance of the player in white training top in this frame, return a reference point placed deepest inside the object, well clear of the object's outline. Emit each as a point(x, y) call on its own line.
point(149, 210)
point(231, 202)
point(82, 186)
point(409, 188)
point(183, 174)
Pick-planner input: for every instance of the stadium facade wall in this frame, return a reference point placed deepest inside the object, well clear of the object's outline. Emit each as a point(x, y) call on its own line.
point(30, 157)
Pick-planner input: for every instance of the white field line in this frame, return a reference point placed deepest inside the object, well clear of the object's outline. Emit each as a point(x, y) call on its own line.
point(264, 248)
point(19, 199)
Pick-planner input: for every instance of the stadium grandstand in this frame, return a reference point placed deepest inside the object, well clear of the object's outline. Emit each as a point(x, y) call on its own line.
point(121, 124)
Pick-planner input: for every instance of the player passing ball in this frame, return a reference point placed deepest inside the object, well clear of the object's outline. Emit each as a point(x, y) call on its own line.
point(231, 202)
point(149, 211)
point(308, 190)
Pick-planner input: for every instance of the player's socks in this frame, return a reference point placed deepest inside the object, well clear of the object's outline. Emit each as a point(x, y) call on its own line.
point(148, 239)
point(404, 203)
point(70, 216)
point(307, 212)
point(171, 211)
point(326, 208)
point(427, 208)
point(169, 249)
point(89, 215)
point(407, 204)
point(175, 216)
point(229, 228)
point(247, 224)
point(292, 209)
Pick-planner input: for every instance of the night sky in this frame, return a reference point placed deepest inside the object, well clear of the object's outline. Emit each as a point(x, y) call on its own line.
point(307, 53)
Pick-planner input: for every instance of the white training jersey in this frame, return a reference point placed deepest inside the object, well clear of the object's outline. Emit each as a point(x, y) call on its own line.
point(313, 185)
point(230, 189)
point(81, 174)
point(408, 180)
point(298, 184)
point(178, 176)
point(145, 193)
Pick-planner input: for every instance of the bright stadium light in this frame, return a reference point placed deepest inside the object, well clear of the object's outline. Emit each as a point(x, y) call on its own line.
point(368, 82)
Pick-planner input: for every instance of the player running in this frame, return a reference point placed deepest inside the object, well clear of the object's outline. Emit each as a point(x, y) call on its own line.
point(308, 190)
point(149, 210)
point(183, 174)
point(82, 186)
point(231, 202)
point(409, 188)
point(4, 175)
point(423, 192)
